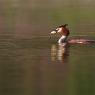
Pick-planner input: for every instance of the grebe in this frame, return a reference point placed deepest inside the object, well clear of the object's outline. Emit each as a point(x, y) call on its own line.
point(64, 32)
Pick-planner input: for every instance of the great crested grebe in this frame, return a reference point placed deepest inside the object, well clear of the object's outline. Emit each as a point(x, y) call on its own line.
point(64, 32)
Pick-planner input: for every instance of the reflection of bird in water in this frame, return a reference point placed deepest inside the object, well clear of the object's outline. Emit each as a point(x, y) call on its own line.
point(53, 52)
point(59, 53)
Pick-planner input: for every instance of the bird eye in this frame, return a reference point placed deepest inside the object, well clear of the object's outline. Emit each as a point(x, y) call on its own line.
point(57, 29)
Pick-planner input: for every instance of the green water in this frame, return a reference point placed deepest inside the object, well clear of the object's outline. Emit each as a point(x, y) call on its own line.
point(28, 68)
point(31, 62)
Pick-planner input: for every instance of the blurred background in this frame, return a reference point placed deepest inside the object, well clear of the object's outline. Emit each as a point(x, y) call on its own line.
point(25, 18)
point(31, 62)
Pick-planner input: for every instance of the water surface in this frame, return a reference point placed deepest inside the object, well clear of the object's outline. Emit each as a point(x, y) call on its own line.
point(27, 66)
